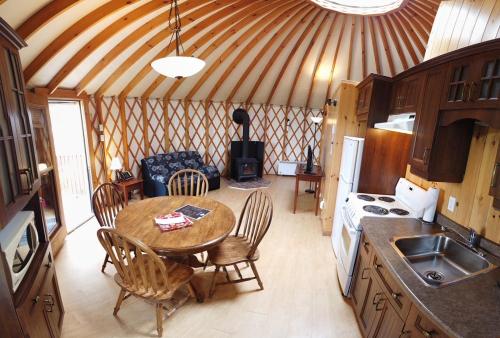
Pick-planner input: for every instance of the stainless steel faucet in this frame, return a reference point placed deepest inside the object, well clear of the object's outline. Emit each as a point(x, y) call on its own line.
point(472, 242)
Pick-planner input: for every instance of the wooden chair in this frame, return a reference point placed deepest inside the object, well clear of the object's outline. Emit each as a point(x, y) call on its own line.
point(107, 201)
point(188, 182)
point(142, 273)
point(241, 247)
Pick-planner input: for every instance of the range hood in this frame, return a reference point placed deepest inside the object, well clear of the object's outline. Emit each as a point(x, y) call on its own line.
point(402, 123)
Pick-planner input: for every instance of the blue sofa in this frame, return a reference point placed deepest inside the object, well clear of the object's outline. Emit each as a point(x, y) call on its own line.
point(157, 170)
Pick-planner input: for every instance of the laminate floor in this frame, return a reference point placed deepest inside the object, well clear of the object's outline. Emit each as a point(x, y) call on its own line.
point(297, 265)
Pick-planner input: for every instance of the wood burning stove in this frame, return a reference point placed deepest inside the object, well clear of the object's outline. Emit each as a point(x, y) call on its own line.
point(246, 156)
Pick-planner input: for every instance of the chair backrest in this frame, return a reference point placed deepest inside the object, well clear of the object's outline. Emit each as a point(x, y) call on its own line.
point(255, 219)
point(188, 182)
point(107, 201)
point(141, 271)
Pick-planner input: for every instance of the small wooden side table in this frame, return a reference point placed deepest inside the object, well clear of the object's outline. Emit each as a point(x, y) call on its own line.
point(315, 176)
point(129, 186)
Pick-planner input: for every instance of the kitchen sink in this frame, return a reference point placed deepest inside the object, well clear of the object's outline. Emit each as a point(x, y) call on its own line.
point(439, 260)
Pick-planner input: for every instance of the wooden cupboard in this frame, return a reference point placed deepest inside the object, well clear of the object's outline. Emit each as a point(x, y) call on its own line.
point(448, 94)
point(35, 309)
point(19, 176)
point(373, 103)
point(473, 82)
point(495, 182)
point(405, 95)
point(381, 307)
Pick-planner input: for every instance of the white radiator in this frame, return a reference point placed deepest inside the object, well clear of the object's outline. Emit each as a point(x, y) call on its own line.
point(287, 168)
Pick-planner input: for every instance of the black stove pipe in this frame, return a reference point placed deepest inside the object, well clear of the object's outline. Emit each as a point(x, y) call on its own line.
point(240, 116)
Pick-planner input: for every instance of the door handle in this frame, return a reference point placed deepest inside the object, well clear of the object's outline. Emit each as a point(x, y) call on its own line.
point(49, 303)
point(380, 302)
point(425, 157)
point(375, 300)
point(425, 333)
point(494, 178)
point(363, 273)
point(26, 172)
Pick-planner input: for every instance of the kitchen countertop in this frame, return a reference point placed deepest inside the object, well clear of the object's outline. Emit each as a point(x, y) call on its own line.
point(466, 308)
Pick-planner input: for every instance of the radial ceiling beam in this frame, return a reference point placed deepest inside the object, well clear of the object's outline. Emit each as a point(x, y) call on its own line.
point(386, 47)
point(335, 55)
point(363, 46)
point(374, 45)
point(72, 33)
point(279, 12)
point(408, 45)
point(395, 42)
point(251, 45)
point(44, 16)
point(306, 55)
point(422, 32)
point(351, 50)
point(403, 23)
point(105, 35)
point(240, 22)
point(165, 34)
point(298, 17)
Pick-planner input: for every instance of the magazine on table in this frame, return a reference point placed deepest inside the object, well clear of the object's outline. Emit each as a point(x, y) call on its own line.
point(193, 212)
point(172, 221)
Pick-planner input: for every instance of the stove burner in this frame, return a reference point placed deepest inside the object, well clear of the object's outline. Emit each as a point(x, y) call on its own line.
point(386, 199)
point(367, 198)
point(399, 212)
point(375, 209)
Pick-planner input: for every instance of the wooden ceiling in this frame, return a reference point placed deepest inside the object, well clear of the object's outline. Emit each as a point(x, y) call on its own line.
point(288, 52)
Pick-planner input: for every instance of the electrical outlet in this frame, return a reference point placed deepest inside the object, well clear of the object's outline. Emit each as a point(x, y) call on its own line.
point(452, 203)
point(322, 204)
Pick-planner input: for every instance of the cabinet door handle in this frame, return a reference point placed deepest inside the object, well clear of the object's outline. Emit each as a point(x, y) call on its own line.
point(425, 333)
point(395, 295)
point(470, 96)
point(404, 334)
point(425, 157)
point(375, 300)
point(35, 300)
point(377, 266)
point(363, 273)
point(380, 302)
point(26, 172)
point(49, 303)
point(494, 178)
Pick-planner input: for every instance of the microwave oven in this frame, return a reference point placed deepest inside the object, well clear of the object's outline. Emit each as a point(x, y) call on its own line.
point(18, 244)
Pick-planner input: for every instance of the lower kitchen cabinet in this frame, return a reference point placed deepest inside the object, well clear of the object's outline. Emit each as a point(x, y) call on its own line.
point(41, 311)
point(382, 308)
point(418, 326)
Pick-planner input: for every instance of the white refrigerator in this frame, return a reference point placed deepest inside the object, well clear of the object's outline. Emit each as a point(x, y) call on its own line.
point(350, 166)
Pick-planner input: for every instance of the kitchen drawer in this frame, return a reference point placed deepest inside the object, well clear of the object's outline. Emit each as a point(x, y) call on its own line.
point(419, 326)
point(393, 291)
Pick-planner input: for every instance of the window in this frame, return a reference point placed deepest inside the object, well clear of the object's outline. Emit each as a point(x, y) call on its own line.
point(362, 7)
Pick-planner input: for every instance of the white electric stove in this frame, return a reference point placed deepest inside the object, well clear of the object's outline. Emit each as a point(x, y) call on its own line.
point(409, 201)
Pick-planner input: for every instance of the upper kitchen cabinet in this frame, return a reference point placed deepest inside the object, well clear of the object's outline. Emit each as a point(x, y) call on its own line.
point(373, 105)
point(473, 82)
point(405, 94)
point(19, 177)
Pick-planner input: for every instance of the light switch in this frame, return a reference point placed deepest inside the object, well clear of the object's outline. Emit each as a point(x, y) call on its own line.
point(452, 203)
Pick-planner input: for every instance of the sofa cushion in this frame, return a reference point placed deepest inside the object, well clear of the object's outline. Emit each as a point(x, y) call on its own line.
point(209, 171)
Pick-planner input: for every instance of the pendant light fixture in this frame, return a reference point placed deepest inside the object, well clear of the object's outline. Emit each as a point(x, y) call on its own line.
point(177, 66)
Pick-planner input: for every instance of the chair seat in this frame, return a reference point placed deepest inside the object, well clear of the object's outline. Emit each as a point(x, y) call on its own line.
point(178, 275)
point(231, 251)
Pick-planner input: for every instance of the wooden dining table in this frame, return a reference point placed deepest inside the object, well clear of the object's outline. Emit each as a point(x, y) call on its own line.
point(137, 220)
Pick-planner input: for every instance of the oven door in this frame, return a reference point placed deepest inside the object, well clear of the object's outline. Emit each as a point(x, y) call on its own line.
point(349, 242)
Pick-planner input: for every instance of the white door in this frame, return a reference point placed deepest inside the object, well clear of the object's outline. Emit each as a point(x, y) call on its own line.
point(71, 154)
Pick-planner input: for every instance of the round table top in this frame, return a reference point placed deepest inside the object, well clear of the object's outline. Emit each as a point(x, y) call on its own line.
point(137, 220)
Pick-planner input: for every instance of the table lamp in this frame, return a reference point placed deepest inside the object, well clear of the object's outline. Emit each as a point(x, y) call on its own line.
point(115, 166)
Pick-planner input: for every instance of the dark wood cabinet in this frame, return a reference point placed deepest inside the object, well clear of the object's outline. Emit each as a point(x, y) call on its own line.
point(405, 95)
point(373, 105)
point(18, 169)
point(473, 82)
point(40, 309)
point(419, 326)
point(382, 307)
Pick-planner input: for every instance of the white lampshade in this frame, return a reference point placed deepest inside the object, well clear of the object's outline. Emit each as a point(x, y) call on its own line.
point(316, 119)
point(178, 66)
point(116, 164)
